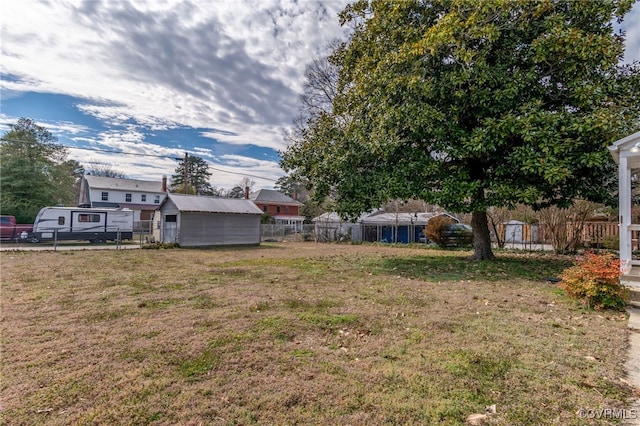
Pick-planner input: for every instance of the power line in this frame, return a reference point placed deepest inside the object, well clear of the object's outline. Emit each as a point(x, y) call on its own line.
point(146, 155)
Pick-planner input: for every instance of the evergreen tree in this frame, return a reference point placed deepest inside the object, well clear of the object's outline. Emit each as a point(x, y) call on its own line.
point(198, 176)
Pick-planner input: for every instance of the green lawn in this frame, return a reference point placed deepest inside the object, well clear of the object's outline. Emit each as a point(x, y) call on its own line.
point(300, 333)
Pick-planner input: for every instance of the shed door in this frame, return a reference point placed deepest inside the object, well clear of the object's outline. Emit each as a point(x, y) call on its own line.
point(170, 229)
point(514, 233)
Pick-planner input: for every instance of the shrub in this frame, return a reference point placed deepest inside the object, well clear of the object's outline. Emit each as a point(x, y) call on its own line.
point(595, 280)
point(161, 246)
point(435, 230)
point(611, 242)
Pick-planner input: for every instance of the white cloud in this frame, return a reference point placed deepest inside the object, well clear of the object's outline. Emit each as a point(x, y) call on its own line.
point(231, 65)
point(631, 26)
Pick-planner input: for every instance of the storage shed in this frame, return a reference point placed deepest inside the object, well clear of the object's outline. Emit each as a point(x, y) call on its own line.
point(192, 220)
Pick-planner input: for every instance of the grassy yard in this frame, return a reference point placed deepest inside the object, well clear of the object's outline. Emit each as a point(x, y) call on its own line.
point(300, 333)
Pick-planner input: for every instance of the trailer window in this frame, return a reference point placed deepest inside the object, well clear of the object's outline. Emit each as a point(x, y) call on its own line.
point(60, 220)
point(85, 217)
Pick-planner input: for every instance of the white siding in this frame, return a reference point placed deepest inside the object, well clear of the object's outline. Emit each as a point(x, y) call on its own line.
point(119, 196)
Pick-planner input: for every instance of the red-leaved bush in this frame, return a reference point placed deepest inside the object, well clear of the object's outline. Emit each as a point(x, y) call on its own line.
point(595, 280)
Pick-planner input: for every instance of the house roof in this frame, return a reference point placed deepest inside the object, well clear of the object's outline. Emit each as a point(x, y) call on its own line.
point(328, 217)
point(335, 217)
point(380, 217)
point(286, 217)
point(628, 147)
point(202, 204)
point(133, 206)
point(271, 196)
point(101, 182)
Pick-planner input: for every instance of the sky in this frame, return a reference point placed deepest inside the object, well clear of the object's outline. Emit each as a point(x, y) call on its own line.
point(219, 79)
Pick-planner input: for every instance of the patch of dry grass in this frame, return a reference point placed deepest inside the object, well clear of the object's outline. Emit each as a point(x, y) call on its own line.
point(299, 333)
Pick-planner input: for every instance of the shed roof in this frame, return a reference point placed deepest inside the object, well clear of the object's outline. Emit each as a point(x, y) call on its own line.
point(202, 204)
point(101, 182)
point(272, 196)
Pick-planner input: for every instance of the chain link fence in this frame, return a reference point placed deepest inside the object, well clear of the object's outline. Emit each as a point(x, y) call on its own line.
point(279, 232)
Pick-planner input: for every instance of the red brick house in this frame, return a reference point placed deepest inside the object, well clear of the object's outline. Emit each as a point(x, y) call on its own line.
point(284, 209)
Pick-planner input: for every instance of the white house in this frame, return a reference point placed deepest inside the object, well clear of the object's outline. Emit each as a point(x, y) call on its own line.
point(141, 196)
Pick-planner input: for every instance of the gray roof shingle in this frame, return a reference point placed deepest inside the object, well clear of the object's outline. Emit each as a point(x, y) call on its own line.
point(272, 196)
point(101, 182)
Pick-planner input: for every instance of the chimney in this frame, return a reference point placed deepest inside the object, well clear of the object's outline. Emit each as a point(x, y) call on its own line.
point(164, 183)
point(246, 192)
point(295, 196)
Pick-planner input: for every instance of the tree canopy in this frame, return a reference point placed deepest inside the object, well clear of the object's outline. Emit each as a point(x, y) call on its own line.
point(34, 171)
point(197, 173)
point(238, 191)
point(95, 168)
point(469, 104)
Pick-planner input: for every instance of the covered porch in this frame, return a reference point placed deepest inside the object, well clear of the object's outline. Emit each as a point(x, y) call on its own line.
point(626, 153)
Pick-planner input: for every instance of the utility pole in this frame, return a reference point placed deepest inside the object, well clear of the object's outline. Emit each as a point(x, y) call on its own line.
point(186, 172)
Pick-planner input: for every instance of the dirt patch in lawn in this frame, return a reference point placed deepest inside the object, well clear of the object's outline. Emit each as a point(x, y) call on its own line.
point(300, 333)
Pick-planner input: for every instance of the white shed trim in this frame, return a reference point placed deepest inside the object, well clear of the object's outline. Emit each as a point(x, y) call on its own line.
point(626, 153)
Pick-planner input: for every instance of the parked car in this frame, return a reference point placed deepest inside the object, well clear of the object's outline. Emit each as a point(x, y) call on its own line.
point(458, 234)
point(10, 230)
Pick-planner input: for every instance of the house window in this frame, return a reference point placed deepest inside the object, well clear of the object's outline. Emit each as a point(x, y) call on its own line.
point(278, 209)
point(105, 196)
point(264, 209)
point(157, 199)
point(127, 198)
point(171, 218)
point(143, 198)
point(85, 217)
point(286, 209)
point(60, 220)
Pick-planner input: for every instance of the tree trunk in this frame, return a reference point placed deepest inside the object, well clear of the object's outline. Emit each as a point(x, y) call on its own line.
point(481, 236)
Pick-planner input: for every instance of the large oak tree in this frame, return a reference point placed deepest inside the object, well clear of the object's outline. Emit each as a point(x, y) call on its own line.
point(472, 104)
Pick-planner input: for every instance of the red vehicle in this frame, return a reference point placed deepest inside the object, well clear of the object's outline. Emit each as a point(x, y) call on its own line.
point(9, 230)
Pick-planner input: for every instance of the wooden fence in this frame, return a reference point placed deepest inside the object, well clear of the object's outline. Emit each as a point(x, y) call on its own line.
point(593, 234)
point(598, 233)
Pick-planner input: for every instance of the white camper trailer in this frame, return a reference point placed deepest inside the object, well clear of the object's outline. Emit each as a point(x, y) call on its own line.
point(75, 223)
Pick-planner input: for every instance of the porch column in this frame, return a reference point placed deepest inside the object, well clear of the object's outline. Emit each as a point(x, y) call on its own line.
point(624, 205)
